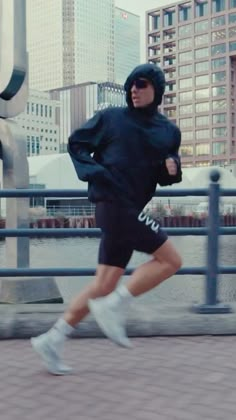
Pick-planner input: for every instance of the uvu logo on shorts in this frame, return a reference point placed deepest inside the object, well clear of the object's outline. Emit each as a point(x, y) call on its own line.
point(149, 221)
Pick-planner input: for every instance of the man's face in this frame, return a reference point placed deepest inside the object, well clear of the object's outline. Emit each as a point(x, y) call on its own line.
point(142, 93)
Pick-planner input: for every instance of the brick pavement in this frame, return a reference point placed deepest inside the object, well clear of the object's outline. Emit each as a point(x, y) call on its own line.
point(161, 378)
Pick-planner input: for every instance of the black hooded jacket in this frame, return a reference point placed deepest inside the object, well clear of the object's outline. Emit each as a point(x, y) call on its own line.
point(121, 152)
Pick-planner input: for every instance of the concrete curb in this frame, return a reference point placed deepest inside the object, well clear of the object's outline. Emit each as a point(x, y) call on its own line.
point(27, 320)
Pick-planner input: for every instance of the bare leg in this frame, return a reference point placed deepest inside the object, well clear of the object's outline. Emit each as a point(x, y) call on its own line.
point(104, 283)
point(166, 261)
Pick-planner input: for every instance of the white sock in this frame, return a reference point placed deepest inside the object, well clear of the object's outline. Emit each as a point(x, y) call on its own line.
point(59, 333)
point(120, 296)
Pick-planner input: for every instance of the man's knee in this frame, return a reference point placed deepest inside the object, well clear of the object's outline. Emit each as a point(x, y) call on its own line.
point(176, 262)
point(168, 254)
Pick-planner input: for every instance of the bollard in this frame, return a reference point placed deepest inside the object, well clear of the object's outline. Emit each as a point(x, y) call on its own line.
point(212, 305)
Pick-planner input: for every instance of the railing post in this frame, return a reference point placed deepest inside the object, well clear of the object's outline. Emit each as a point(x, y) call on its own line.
point(212, 305)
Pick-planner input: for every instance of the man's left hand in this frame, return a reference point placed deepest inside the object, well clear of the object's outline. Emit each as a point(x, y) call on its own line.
point(171, 166)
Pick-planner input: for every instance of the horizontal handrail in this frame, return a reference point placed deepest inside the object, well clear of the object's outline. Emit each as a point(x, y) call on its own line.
point(95, 232)
point(24, 192)
point(83, 193)
point(64, 271)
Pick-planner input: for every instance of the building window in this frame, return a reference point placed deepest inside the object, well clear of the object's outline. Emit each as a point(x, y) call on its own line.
point(187, 69)
point(185, 96)
point(232, 32)
point(185, 56)
point(187, 135)
point(232, 4)
point(186, 83)
point(218, 35)
point(201, 26)
point(218, 118)
point(218, 62)
point(203, 120)
point(169, 100)
point(219, 132)
point(202, 93)
point(220, 76)
point(154, 22)
point(202, 149)
point(232, 18)
point(185, 12)
point(201, 39)
point(218, 6)
point(185, 109)
point(185, 122)
point(218, 49)
point(185, 43)
point(202, 66)
point(218, 105)
point(202, 107)
point(186, 151)
point(202, 134)
point(219, 91)
point(202, 80)
point(169, 17)
point(202, 53)
point(232, 46)
point(201, 8)
point(218, 148)
point(185, 30)
point(218, 21)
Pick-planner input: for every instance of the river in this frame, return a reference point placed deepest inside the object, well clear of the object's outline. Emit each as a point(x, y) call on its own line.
point(82, 252)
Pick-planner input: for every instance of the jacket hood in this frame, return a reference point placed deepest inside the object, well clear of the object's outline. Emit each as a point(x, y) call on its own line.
point(154, 74)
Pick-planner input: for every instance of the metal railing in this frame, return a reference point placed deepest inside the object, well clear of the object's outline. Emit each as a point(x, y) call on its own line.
point(212, 230)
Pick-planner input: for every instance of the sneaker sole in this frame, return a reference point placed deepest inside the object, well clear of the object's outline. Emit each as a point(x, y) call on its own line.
point(107, 331)
point(54, 371)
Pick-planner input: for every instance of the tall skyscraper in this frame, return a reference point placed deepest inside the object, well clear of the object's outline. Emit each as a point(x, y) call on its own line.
point(78, 41)
point(69, 42)
point(194, 42)
point(127, 43)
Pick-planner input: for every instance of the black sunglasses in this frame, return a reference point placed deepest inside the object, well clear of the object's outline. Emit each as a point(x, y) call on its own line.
point(140, 83)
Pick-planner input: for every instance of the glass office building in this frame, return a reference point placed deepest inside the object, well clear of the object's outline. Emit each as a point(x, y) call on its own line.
point(80, 41)
point(195, 43)
point(127, 43)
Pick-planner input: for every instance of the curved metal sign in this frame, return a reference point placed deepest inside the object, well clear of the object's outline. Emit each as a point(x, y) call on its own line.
point(13, 58)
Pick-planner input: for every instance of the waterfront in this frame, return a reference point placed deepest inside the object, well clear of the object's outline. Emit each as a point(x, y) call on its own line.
point(82, 252)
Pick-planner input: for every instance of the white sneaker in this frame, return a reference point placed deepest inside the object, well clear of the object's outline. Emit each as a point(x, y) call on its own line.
point(49, 355)
point(110, 321)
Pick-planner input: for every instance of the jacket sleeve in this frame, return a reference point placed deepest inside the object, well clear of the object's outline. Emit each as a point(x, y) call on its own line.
point(83, 143)
point(163, 176)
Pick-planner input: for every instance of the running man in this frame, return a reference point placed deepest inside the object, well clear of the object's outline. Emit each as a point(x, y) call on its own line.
point(123, 153)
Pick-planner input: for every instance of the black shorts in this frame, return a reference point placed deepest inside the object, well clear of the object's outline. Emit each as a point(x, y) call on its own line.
point(125, 230)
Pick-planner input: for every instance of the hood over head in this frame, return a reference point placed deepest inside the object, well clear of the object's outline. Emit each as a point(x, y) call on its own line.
point(152, 73)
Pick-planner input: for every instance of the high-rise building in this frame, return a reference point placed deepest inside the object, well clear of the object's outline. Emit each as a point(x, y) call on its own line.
point(69, 42)
point(80, 102)
point(40, 123)
point(127, 43)
point(195, 43)
point(78, 41)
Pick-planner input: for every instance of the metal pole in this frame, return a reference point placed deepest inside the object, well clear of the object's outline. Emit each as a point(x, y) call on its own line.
point(212, 305)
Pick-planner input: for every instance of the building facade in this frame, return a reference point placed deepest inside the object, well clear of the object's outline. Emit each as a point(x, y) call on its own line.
point(195, 43)
point(79, 41)
point(80, 102)
point(127, 43)
point(39, 122)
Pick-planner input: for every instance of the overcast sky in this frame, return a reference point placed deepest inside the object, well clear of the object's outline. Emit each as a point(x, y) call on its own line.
point(139, 7)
